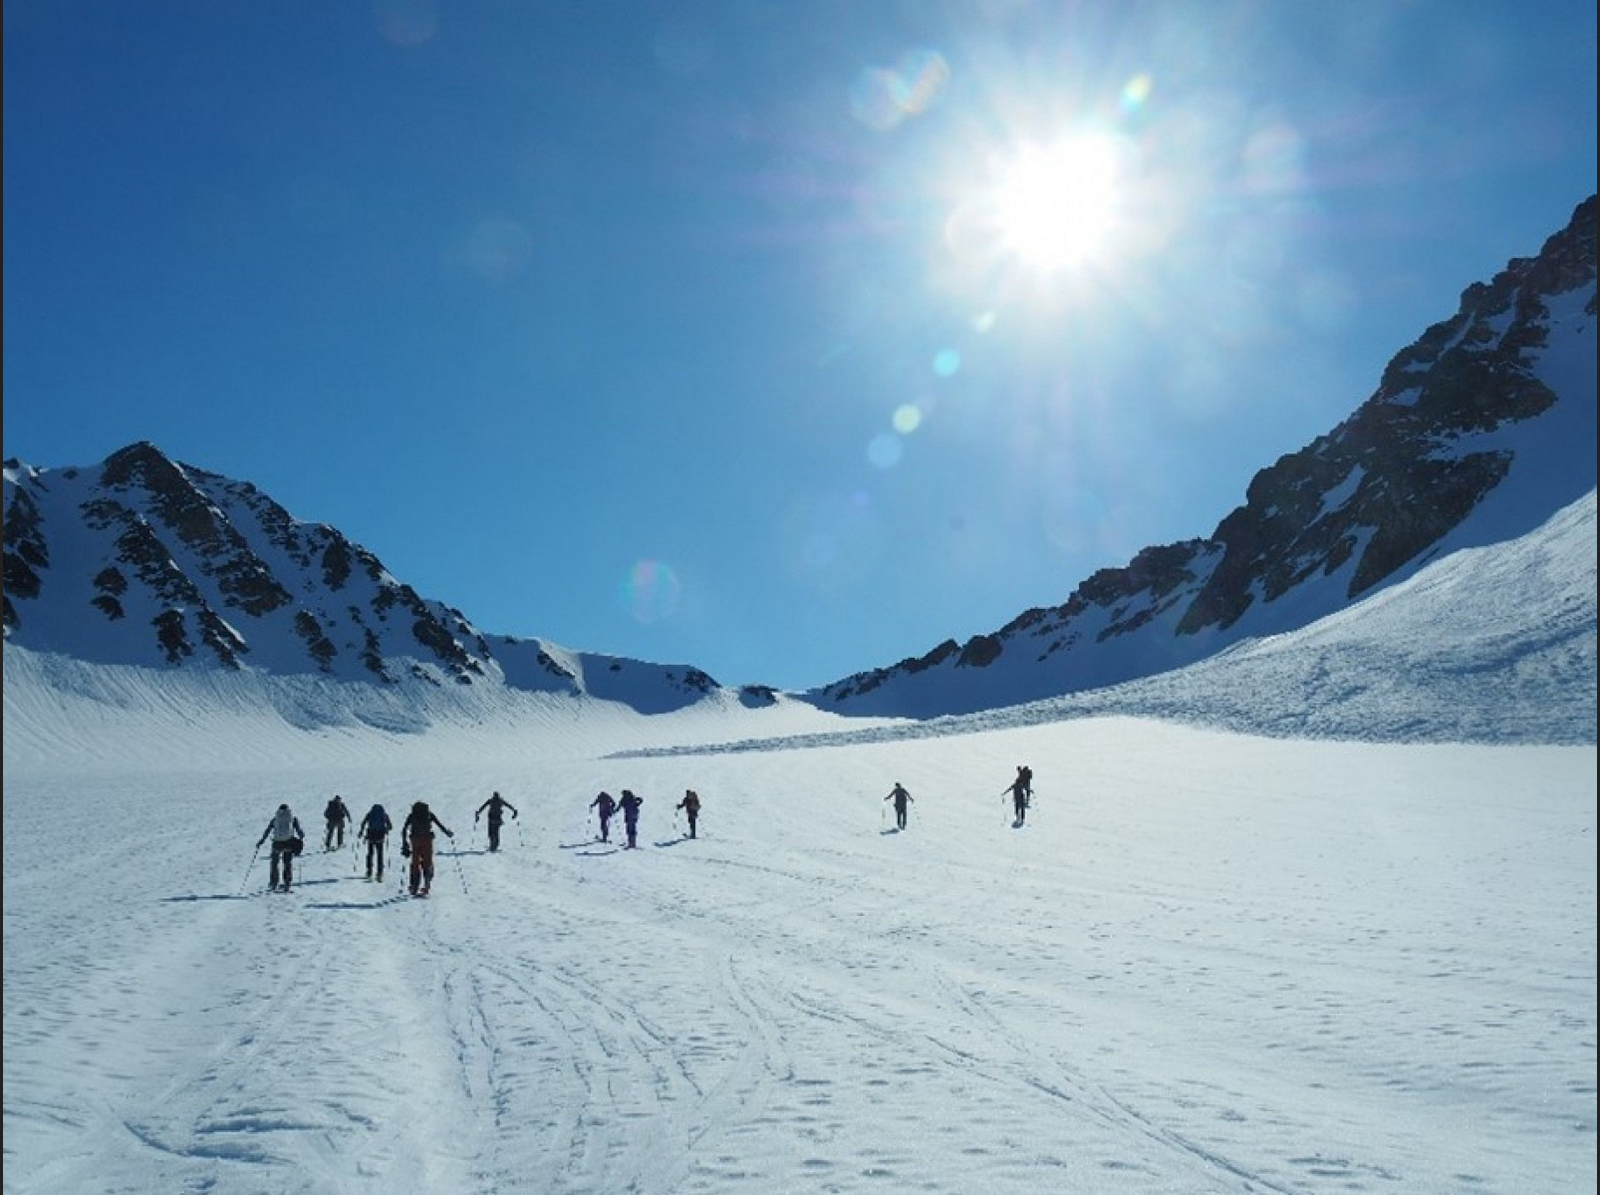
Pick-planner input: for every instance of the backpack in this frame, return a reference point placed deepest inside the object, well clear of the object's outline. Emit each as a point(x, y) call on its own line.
point(378, 823)
point(282, 825)
point(334, 811)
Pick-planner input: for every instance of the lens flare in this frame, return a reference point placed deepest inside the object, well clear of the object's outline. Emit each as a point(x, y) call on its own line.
point(882, 97)
point(406, 22)
point(651, 591)
point(884, 450)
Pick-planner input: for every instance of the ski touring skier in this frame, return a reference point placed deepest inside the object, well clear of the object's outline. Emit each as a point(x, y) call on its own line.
point(336, 814)
point(691, 808)
point(374, 829)
point(607, 805)
point(288, 839)
point(630, 816)
point(497, 806)
point(416, 842)
point(900, 797)
point(1021, 790)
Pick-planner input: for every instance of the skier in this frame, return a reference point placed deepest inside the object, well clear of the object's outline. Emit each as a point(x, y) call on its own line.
point(630, 816)
point(337, 814)
point(899, 796)
point(375, 829)
point(287, 840)
point(607, 806)
point(1021, 790)
point(691, 808)
point(416, 841)
point(497, 806)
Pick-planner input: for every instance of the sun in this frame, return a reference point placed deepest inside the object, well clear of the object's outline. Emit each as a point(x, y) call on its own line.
point(1057, 205)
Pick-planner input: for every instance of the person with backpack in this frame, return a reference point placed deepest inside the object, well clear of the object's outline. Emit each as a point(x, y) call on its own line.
point(691, 808)
point(337, 814)
point(900, 797)
point(288, 839)
point(497, 806)
point(416, 842)
point(607, 806)
point(1021, 790)
point(630, 816)
point(375, 829)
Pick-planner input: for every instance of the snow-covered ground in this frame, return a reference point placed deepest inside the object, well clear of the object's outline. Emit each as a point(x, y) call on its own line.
point(1210, 962)
point(1207, 963)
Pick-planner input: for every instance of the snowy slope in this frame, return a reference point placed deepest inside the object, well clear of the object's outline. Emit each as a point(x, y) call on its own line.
point(1210, 963)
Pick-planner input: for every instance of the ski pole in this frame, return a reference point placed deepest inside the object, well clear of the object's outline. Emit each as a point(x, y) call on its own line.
point(249, 869)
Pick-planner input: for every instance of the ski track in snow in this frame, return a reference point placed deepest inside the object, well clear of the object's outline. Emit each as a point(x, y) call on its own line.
point(1368, 969)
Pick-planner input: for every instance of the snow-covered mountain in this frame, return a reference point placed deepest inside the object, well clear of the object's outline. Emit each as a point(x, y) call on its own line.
point(1481, 433)
point(147, 562)
point(1477, 434)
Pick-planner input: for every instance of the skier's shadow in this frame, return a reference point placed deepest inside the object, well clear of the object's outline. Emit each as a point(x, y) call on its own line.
point(591, 846)
point(891, 830)
point(352, 904)
point(198, 896)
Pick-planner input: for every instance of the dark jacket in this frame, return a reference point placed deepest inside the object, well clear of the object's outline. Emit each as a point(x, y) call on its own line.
point(497, 806)
point(420, 823)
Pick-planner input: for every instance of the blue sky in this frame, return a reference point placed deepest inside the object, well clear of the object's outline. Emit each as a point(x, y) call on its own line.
point(750, 335)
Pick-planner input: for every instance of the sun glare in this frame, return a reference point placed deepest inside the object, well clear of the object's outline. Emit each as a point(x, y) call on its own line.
point(1056, 205)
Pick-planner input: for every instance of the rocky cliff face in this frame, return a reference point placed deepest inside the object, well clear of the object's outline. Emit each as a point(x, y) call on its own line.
point(1477, 432)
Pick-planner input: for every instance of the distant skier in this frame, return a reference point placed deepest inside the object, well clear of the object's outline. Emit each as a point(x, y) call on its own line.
point(497, 806)
point(900, 797)
point(336, 814)
point(607, 806)
point(630, 816)
point(416, 841)
point(1021, 790)
point(374, 829)
point(691, 808)
point(287, 841)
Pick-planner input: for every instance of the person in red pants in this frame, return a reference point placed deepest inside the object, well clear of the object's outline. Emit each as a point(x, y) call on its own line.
point(416, 842)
